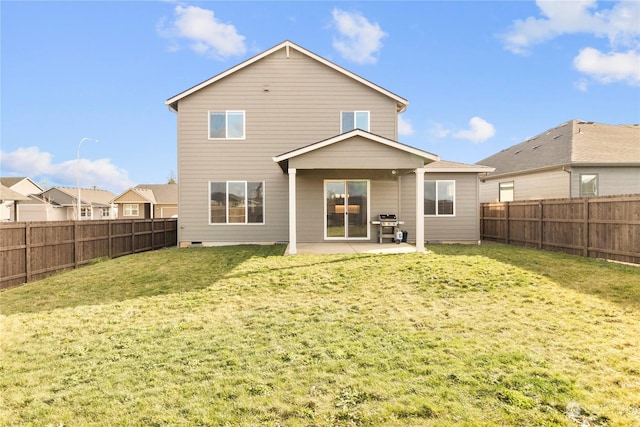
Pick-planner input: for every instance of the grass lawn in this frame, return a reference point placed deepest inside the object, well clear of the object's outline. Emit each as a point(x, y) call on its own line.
point(243, 336)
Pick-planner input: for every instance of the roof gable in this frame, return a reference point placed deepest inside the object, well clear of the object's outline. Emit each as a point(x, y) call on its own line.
point(287, 45)
point(283, 159)
point(68, 196)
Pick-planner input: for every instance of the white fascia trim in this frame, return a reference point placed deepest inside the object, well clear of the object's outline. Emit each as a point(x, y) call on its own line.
point(356, 132)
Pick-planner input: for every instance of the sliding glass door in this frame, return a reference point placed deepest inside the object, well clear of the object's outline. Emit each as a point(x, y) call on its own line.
point(347, 209)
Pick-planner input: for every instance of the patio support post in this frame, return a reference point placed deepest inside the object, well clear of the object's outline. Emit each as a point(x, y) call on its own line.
point(420, 210)
point(292, 212)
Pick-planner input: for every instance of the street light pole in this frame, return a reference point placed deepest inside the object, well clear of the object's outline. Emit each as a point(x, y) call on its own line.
point(78, 218)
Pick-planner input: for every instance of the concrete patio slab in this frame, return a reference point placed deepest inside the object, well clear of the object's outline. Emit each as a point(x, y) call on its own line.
point(353, 248)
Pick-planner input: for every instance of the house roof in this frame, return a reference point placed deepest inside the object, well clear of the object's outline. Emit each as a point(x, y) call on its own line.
point(10, 181)
point(8, 194)
point(574, 142)
point(283, 159)
point(173, 101)
point(160, 194)
point(88, 195)
point(446, 166)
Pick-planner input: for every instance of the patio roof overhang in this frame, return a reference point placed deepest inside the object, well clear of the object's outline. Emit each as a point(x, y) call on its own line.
point(388, 154)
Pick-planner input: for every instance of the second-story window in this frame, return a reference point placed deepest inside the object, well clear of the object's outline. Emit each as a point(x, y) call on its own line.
point(226, 124)
point(351, 120)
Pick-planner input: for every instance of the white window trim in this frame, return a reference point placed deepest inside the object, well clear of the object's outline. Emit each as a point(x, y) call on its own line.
point(597, 178)
point(246, 205)
point(355, 112)
point(102, 212)
point(226, 125)
point(130, 211)
point(437, 214)
point(324, 202)
point(86, 212)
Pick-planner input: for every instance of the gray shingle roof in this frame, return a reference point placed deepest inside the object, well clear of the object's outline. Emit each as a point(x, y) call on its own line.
point(573, 142)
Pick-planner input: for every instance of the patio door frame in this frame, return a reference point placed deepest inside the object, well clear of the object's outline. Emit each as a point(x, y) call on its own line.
point(346, 213)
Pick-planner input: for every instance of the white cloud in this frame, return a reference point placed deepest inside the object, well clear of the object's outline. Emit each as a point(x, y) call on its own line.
point(619, 24)
point(404, 127)
point(438, 131)
point(607, 68)
point(479, 131)
point(359, 40)
point(32, 162)
point(206, 35)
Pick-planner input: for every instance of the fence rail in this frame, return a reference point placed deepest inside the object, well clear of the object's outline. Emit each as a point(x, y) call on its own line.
point(602, 227)
point(33, 250)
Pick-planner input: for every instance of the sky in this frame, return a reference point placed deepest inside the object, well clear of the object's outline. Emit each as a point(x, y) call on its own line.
point(480, 76)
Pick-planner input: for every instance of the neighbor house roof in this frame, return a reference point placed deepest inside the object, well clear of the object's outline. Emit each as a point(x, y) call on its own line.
point(455, 167)
point(8, 194)
point(161, 194)
point(574, 142)
point(10, 181)
point(173, 102)
point(88, 195)
point(283, 158)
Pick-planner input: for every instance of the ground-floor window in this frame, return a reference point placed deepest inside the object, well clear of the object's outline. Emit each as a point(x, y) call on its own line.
point(236, 202)
point(439, 198)
point(588, 185)
point(130, 209)
point(85, 212)
point(506, 191)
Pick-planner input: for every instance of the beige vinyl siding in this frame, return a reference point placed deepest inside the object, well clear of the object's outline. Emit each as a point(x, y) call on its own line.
point(551, 184)
point(289, 103)
point(611, 180)
point(356, 153)
point(465, 225)
point(131, 197)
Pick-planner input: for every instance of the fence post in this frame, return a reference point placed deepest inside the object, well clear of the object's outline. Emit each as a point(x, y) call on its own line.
point(110, 240)
point(76, 246)
point(27, 252)
point(506, 232)
point(540, 223)
point(585, 227)
point(133, 236)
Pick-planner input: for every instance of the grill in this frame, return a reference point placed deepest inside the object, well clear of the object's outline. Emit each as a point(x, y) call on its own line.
point(388, 227)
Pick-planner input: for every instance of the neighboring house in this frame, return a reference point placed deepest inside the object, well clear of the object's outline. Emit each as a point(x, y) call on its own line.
point(148, 201)
point(9, 205)
point(290, 147)
point(95, 204)
point(575, 159)
point(9, 200)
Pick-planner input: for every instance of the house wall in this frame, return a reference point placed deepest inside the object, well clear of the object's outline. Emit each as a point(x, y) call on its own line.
point(611, 180)
point(356, 153)
point(288, 103)
point(463, 227)
point(550, 184)
point(164, 211)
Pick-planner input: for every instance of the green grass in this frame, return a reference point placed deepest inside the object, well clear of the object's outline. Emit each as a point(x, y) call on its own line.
point(243, 336)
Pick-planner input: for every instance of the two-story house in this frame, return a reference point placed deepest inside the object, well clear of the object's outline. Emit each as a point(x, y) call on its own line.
point(290, 147)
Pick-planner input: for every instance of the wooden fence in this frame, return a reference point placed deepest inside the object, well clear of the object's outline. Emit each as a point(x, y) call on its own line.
point(33, 250)
point(603, 227)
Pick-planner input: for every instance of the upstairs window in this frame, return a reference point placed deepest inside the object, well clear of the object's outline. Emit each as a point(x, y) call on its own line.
point(226, 125)
point(439, 198)
point(351, 120)
point(588, 185)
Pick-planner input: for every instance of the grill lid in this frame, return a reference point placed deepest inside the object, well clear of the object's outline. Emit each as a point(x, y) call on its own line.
point(387, 217)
